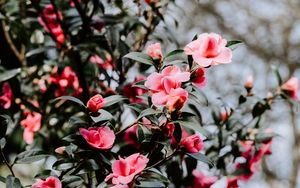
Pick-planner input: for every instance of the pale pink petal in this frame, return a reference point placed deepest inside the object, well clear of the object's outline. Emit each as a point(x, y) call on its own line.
point(28, 136)
point(153, 81)
point(121, 167)
point(159, 98)
point(224, 57)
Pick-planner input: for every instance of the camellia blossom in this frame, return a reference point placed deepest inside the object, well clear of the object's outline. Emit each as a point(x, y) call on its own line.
point(154, 51)
point(198, 77)
point(67, 80)
point(166, 88)
point(209, 49)
point(50, 182)
point(291, 87)
point(50, 22)
point(192, 144)
point(6, 98)
point(95, 103)
point(124, 170)
point(31, 124)
point(203, 181)
point(101, 138)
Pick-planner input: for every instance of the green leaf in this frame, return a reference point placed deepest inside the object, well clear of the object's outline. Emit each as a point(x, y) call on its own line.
point(70, 98)
point(4, 121)
point(104, 116)
point(113, 99)
point(8, 74)
point(30, 156)
point(12, 182)
point(140, 134)
point(192, 125)
point(156, 174)
point(150, 184)
point(148, 112)
point(201, 157)
point(72, 182)
point(177, 132)
point(2, 179)
point(140, 57)
point(232, 43)
point(175, 52)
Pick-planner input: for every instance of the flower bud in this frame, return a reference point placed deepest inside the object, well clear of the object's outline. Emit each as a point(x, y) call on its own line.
point(95, 103)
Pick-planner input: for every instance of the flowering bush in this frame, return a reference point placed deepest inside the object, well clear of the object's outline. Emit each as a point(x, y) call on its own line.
point(109, 110)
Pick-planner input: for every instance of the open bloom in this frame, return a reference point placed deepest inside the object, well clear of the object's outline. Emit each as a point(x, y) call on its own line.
point(166, 87)
point(154, 51)
point(192, 144)
point(104, 64)
point(50, 22)
point(198, 77)
point(124, 170)
point(6, 98)
point(203, 181)
point(209, 49)
point(50, 182)
point(31, 124)
point(95, 103)
point(100, 138)
point(291, 87)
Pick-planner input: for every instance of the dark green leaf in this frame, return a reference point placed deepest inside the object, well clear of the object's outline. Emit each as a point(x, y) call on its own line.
point(150, 184)
point(113, 99)
point(12, 182)
point(4, 121)
point(175, 52)
point(104, 116)
point(140, 134)
point(201, 157)
point(192, 125)
point(72, 182)
point(2, 143)
point(140, 57)
point(2, 179)
point(177, 132)
point(8, 74)
point(30, 156)
point(232, 43)
point(148, 112)
point(70, 98)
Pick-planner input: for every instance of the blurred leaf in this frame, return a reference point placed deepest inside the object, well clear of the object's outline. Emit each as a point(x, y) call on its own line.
point(113, 99)
point(175, 52)
point(150, 184)
point(156, 174)
point(4, 121)
point(43, 174)
point(140, 57)
point(12, 182)
point(201, 157)
point(262, 137)
point(31, 156)
point(140, 134)
point(2, 179)
point(70, 98)
point(148, 112)
point(2, 143)
point(8, 74)
point(104, 116)
point(72, 182)
point(38, 50)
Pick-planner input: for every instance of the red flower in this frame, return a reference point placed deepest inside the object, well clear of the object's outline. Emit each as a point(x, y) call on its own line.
point(6, 98)
point(132, 92)
point(31, 124)
point(95, 103)
point(198, 77)
point(192, 144)
point(50, 22)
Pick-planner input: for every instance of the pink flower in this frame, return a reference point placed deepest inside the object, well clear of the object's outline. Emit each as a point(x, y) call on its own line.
point(49, 21)
point(166, 88)
point(133, 92)
point(192, 144)
point(291, 88)
point(107, 64)
point(198, 77)
point(154, 51)
point(101, 138)
point(67, 80)
point(130, 136)
point(120, 186)
point(50, 182)
point(95, 103)
point(6, 98)
point(203, 181)
point(169, 129)
point(124, 170)
point(209, 49)
point(60, 150)
point(31, 124)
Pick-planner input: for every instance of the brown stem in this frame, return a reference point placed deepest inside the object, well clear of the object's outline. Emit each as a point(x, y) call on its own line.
point(6, 163)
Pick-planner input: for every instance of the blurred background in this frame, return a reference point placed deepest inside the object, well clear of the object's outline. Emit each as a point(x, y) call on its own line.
point(270, 31)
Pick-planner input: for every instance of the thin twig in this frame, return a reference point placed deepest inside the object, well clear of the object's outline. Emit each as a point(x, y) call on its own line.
point(6, 162)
